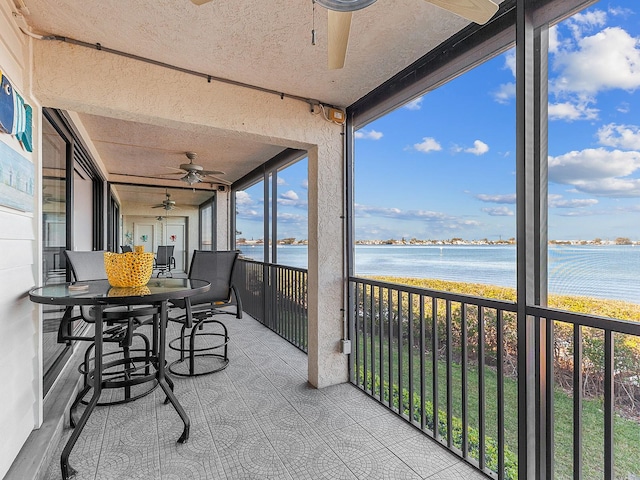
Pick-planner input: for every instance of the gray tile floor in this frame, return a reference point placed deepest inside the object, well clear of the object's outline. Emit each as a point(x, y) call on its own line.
point(258, 419)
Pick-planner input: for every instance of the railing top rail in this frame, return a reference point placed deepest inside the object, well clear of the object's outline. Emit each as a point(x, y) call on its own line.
point(454, 297)
point(276, 265)
point(603, 323)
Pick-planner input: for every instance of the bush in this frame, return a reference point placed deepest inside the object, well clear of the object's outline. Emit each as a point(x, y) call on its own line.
point(627, 347)
point(392, 396)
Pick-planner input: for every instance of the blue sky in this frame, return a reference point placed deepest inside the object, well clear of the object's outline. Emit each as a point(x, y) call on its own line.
point(443, 165)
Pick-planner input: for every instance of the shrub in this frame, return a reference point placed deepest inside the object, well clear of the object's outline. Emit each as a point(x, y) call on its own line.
point(392, 396)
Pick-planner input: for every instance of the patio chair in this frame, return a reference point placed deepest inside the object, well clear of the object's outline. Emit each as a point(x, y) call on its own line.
point(203, 340)
point(164, 260)
point(126, 248)
point(121, 323)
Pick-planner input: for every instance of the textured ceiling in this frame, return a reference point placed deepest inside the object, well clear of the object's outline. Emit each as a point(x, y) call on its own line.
point(150, 196)
point(266, 43)
point(129, 148)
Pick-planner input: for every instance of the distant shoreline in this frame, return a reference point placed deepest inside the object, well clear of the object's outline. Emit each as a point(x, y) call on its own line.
point(452, 242)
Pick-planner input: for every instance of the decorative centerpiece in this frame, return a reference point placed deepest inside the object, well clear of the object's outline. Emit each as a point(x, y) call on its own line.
point(131, 269)
point(128, 291)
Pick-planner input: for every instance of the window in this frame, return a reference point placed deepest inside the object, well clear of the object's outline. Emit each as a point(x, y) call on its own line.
point(66, 168)
point(207, 226)
point(54, 239)
point(284, 215)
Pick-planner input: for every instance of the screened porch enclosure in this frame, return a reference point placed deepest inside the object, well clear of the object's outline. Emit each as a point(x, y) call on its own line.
point(436, 358)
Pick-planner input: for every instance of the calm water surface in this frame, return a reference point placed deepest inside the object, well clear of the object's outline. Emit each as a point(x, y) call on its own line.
point(610, 271)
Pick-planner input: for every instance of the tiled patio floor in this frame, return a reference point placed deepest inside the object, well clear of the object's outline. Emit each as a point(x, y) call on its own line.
point(258, 419)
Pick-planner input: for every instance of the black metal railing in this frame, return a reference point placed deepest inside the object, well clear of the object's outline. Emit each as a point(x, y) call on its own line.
point(276, 296)
point(595, 363)
point(448, 364)
point(433, 358)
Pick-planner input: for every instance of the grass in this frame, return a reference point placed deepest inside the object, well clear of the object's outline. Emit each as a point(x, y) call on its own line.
point(626, 431)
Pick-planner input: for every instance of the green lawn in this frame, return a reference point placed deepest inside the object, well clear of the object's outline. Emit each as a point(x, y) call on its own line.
point(627, 432)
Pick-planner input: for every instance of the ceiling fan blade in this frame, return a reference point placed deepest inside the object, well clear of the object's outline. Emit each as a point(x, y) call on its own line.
point(210, 172)
point(478, 11)
point(200, 2)
point(338, 37)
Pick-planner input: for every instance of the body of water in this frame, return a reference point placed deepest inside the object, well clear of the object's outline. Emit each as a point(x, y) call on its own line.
point(608, 271)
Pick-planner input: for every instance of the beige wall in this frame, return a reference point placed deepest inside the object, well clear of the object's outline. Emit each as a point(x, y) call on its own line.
point(135, 212)
point(20, 341)
point(105, 84)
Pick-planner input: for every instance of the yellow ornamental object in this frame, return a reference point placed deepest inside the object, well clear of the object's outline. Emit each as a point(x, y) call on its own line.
point(138, 248)
point(129, 269)
point(128, 291)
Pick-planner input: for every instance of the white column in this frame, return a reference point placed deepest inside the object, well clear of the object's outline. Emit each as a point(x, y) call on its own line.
point(327, 365)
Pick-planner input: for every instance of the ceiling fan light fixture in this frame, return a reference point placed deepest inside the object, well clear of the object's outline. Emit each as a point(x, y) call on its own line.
point(191, 177)
point(345, 5)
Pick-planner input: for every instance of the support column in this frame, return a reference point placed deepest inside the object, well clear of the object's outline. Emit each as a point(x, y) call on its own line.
point(327, 365)
point(531, 181)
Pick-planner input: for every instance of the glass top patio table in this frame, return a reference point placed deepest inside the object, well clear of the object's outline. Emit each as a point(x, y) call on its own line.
point(100, 295)
point(99, 291)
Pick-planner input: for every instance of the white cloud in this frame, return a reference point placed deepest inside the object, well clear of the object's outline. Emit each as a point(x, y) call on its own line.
point(439, 219)
point(244, 204)
point(510, 61)
point(368, 135)
point(612, 187)
point(498, 211)
point(415, 104)
point(508, 198)
point(592, 164)
point(291, 218)
point(597, 171)
point(428, 144)
point(580, 213)
point(289, 195)
point(570, 111)
point(281, 181)
point(620, 11)
point(479, 148)
point(249, 214)
point(243, 198)
point(305, 184)
point(607, 60)
point(557, 201)
point(554, 40)
point(586, 21)
point(505, 92)
point(624, 107)
point(291, 198)
point(620, 136)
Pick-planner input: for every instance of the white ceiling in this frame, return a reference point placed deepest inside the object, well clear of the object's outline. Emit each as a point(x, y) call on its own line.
point(266, 43)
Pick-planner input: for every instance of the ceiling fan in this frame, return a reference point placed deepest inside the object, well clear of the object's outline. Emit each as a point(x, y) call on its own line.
point(339, 19)
point(192, 172)
point(167, 204)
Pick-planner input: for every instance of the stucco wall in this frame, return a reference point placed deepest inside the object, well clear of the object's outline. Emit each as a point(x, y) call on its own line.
point(20, 338)
point(104, 84)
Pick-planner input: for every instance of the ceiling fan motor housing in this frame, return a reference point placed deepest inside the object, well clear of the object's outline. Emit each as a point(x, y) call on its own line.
point(345, 5)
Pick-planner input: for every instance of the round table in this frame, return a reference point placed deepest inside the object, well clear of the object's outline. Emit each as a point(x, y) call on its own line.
point(100, 295)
